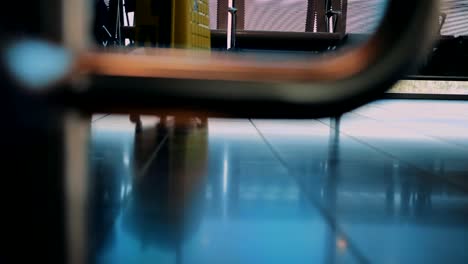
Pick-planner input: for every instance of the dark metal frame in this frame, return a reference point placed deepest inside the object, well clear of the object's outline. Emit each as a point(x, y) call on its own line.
point(419, 96)
point(284, 41)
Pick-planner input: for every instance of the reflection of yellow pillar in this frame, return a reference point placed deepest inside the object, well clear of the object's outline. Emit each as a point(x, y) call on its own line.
point(188, 157)
point(179, 153)
point(165, 208)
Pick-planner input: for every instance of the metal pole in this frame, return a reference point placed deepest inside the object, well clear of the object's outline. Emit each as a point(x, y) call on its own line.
point(331, 17)
point(233, 27)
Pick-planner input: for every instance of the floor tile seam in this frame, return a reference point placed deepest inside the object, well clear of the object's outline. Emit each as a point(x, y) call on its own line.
point(326, 216)
point(100, 118)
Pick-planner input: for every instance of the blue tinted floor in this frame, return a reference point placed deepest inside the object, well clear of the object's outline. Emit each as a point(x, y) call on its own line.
point(387, 183)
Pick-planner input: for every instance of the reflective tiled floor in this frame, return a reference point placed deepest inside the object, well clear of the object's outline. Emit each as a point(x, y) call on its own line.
point(387, 183)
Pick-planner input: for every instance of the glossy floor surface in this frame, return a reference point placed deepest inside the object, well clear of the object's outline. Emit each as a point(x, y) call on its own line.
point(387, 183)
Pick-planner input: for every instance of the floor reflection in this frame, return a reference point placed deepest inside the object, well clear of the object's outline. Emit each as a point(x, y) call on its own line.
point(263, 191)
